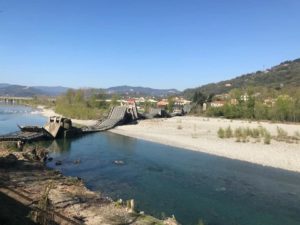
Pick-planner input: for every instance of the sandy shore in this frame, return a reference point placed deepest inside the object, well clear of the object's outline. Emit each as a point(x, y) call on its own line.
point(200, 134)
point(50, 112)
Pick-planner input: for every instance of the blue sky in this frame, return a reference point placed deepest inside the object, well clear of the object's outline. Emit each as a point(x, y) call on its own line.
point(154, 43)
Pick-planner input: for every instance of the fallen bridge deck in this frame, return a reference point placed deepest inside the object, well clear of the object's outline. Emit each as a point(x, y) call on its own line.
point(117, 116)
point(23, 136)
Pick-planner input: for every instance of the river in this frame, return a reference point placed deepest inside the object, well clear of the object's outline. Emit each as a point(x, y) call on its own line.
point(165, 180)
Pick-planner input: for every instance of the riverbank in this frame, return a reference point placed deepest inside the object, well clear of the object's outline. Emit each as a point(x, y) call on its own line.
point(29, 189)
point(200, 134)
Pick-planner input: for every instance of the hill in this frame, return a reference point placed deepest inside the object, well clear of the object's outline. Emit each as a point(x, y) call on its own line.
point(286, 74)
point(136, 91)
point(26, 91)
point(18, 91)
point(52, 91)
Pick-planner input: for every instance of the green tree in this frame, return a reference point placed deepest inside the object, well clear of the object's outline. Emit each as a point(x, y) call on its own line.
point(79, 96)
point(199, 98)
point(284, 107)
point(147, 106)
point(114, 100)
point(236, 94)
point(171, 103)
point(261, 111)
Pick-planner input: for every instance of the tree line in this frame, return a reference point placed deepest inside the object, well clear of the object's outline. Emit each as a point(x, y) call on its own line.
point(283, 105)
point(82, 104)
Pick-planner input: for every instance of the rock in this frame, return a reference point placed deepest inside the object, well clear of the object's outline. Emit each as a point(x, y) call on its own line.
point(119, 162)
point(11, 159)
point(171, 221)
point(221, 189)
point(32, 151)
point(58, 163)
point(131, 205)
point(42, 154)
point(77, 161)
point(36, 154)
point(20, 145)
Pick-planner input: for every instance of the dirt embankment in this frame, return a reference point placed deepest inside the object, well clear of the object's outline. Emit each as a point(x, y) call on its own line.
point(31, 192)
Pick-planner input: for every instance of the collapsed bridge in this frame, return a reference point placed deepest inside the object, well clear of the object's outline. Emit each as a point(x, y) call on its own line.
point(118, 115)
point(59, 127)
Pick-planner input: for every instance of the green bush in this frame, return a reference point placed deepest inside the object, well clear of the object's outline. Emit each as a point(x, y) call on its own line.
point(238, 132)
point(281, 133)
point(221, 133)
point(267, 138)
point(255, 133)
point(244, 136)
point(228, 132)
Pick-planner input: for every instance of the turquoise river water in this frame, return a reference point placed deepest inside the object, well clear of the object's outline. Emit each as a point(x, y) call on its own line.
point(165, 180)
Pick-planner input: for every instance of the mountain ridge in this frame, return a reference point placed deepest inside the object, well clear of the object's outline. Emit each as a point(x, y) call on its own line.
point(138, 90)
point(286, 74)
point(31, 91)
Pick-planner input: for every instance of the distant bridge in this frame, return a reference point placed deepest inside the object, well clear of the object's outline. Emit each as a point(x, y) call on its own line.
point(17, 99)
point(11, 99)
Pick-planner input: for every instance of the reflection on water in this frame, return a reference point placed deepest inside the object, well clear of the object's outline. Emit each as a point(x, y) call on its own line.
point(60, 146)
point(121, 142)
point(188, 184)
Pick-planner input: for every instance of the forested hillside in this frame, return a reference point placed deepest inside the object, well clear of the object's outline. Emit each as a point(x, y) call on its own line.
point(284, 75)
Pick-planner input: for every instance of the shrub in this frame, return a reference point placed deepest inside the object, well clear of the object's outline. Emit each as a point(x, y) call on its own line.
point(244, 136)
point(228, 132)
point(238, 132)
point(221, 133)
point(281, 133)
point(255, 133)
point(297, 134)
point(262, 131)
point(248, 132)
point(267, 138)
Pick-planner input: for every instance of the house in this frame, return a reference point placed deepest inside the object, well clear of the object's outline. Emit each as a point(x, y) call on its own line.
point(222, 97)
point(130, 101)
point(216, 104)
point(139, 100)
point(163, 103)
point(179, 101)
point(151, 100)
point(245, 97)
